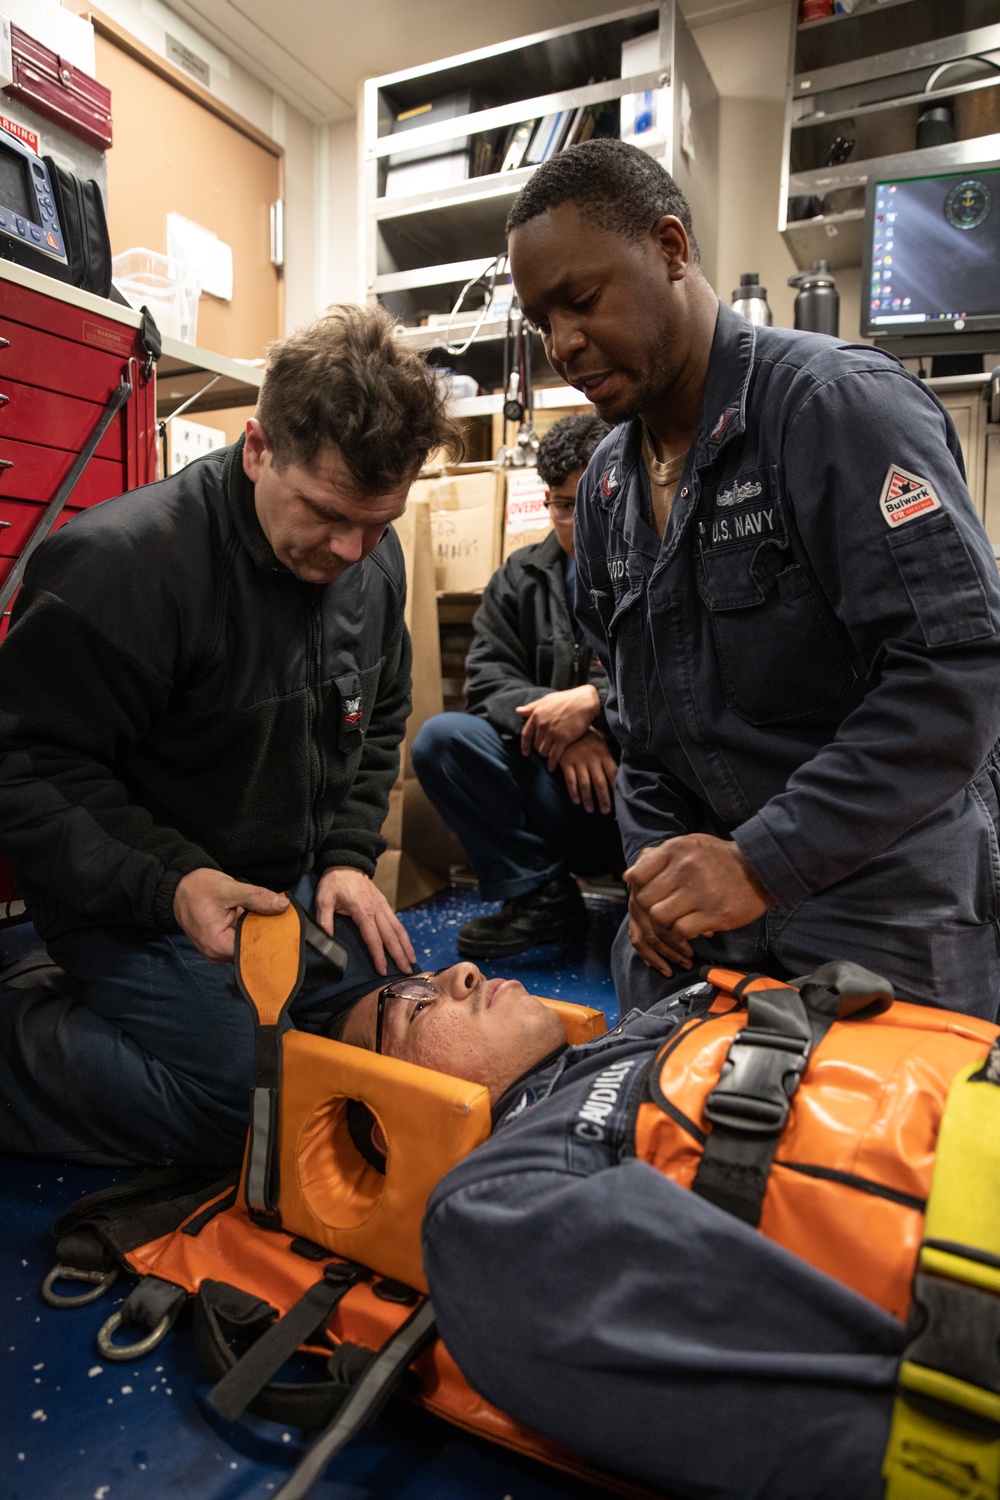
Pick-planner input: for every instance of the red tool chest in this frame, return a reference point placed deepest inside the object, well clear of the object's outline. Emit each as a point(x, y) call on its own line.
point(62, 355)
point(59, 364)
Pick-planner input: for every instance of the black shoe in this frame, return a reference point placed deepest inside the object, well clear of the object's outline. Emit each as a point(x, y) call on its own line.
point(554, 913)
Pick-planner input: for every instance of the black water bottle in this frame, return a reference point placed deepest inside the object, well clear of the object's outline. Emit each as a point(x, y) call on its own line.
point(817, 306)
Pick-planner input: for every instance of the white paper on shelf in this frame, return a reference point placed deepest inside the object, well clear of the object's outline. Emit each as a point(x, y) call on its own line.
point(202, 249)
point(687, 137)
point(641, 54)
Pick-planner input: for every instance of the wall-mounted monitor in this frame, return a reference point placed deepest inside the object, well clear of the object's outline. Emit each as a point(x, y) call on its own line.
point(930, 279)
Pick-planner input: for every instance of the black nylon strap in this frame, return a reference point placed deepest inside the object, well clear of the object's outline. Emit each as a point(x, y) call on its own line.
point(748, 1107)
point(733, 1174)
point(99, 1230)
point(264, 1359)
point(152, 1300)
point(365, 1402)
point(304, 1404)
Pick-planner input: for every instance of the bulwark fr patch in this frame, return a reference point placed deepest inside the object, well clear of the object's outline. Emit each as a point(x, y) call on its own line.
point(906, 496)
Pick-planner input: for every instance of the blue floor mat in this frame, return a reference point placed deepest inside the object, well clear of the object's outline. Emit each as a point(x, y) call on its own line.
point(75, 1428)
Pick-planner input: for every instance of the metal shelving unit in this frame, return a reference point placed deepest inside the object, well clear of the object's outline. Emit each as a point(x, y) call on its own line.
point(422, 248)
point(867, 76)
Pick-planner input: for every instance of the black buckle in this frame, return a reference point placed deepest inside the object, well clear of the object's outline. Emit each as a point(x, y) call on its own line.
point(758, 1079)
point(345, 1273)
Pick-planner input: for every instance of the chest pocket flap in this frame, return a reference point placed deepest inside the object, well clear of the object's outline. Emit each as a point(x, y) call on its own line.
point(778, 655)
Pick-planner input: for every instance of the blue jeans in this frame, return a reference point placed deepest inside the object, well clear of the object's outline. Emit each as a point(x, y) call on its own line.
point(514, 817)
point(151, 1059)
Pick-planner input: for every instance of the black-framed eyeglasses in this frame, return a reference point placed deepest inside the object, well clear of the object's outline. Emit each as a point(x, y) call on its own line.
point(559, 505)
point(420, 987)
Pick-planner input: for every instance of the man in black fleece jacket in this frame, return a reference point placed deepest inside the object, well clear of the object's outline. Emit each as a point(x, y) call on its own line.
point(202, 695)
point(526, 778)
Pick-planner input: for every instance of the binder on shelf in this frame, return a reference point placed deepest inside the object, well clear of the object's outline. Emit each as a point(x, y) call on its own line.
point(517, 145)
point(548, 137)
point(425, 168)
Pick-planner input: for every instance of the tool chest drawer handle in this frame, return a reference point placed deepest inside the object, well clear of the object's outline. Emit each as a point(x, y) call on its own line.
point(4, 343)
point(6, 463)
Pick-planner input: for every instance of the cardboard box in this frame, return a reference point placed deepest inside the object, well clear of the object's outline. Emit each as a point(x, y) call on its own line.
point(526, 520)
point(420, 851)
point(414, 531)
point(465, 519)
point(415, 864)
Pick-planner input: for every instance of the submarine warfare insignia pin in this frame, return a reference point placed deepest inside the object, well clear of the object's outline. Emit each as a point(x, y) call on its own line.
point(738, 494)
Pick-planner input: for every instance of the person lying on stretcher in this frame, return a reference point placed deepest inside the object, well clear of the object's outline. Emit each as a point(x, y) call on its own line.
point(583, 1288)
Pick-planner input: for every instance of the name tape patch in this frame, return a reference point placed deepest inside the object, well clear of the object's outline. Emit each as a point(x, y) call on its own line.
point(592, 1118)
point(905, 497)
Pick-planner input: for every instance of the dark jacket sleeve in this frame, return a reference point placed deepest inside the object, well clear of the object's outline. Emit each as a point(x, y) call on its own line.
point(355, 837)
point(73, 703)
point(920, 603)
point(499, 673)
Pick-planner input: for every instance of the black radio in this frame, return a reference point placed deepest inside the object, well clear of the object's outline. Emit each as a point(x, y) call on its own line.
point(30, 231)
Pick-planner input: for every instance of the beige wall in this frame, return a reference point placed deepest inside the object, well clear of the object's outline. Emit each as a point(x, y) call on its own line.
point(749, 176)
point(750, 132)
point(341, 253)
point(232, 85)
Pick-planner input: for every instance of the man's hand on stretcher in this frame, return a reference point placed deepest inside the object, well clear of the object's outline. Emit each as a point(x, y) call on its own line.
point(208, 904)
point(688, 887)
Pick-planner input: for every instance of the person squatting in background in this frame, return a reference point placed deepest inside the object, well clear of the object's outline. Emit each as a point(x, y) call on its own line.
point(525, 777)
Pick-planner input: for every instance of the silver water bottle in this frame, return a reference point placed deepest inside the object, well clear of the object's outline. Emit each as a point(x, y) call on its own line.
point(750, 299)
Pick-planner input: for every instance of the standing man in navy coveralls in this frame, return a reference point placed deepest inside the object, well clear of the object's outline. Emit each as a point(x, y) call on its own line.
point(778, 557)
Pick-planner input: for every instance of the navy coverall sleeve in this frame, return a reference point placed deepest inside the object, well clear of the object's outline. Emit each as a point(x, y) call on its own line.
point(499, 670)
point(652, 1332)
point(920, 602)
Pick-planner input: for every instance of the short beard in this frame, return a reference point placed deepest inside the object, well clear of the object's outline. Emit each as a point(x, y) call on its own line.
point(648, 390)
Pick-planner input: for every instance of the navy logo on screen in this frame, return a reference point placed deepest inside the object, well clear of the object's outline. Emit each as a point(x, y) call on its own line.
point(968, 204)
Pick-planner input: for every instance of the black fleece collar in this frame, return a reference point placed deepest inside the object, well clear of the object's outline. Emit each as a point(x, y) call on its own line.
point(240, 495)
point(546, 555)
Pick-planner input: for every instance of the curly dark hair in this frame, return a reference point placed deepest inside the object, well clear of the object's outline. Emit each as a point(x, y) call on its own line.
point(347, 379)
point(569, 444)
point(619, 186)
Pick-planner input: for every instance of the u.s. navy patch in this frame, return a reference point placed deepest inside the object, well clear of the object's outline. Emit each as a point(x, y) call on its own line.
point(906, 496)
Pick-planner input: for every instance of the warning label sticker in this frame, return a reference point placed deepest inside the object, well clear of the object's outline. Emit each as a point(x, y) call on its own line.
point(906, 496)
